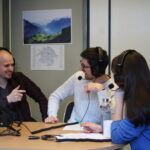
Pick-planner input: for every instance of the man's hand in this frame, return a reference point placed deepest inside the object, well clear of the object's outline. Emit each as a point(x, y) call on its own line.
point(16, 95)
point(93, 87)
point(51, 119)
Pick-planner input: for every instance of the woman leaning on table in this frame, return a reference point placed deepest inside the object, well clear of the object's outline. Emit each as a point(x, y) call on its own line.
point(132, 74)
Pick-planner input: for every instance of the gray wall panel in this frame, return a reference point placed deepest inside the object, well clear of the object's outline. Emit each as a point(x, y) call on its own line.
point(47, 80)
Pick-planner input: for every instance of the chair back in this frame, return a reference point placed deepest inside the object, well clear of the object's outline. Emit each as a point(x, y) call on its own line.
point(68, 111)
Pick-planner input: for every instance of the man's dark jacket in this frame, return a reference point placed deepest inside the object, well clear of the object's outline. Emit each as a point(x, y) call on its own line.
point(22, 107)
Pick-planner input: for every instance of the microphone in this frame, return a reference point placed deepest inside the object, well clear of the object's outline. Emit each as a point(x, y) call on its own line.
point(110, 86)
point(80, 75)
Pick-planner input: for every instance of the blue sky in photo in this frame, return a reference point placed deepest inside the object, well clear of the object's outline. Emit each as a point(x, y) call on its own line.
point(43, 17)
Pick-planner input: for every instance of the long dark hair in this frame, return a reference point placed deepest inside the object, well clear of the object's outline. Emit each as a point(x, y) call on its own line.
point(136, 87)
point(97, 58)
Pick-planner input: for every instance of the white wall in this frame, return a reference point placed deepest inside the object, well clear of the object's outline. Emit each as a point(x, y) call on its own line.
point(99, 23)
point(130, 25)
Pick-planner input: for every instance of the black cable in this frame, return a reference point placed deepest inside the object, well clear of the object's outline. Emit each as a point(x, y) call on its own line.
point(53, 127)
point(86, 108)
point(26, 127)
point(59, 126)
point(62, 125)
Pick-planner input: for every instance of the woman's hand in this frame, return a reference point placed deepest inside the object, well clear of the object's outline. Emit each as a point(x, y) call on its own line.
point(90, 127)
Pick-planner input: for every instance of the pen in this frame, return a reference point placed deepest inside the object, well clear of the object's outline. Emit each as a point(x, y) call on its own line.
point(78, 121)
point(33, 137)
point(81, 123)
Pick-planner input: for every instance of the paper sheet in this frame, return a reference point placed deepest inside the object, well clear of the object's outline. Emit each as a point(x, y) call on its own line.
point(75, 127)
point(47, 57)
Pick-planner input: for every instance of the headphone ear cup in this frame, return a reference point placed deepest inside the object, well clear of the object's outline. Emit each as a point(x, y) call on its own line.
point(119, 80)
point(95, 70)
point(14, 61)
point(119, 77)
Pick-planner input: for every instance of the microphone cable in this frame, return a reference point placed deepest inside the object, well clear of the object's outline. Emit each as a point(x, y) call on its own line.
point(26, 127)
point(59, 126)
point(86, 108)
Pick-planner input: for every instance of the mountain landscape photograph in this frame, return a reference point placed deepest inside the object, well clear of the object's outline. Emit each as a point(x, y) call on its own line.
point(47, 26)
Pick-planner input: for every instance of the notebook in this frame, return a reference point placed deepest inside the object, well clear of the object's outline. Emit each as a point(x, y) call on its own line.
point(78, 137)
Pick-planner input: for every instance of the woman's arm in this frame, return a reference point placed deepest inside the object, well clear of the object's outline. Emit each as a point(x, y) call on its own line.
point(118, 112)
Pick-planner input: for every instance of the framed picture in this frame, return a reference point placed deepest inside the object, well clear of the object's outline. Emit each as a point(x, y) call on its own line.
point(47, 26)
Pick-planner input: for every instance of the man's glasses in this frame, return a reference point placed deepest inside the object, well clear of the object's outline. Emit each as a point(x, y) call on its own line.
point(84, 66)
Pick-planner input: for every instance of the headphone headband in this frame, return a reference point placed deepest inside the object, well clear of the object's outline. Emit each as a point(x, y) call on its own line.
point(99, 54)
point(122, 57)
point(119, 78)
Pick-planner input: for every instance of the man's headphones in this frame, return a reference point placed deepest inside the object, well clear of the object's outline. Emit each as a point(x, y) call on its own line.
point(99, 63)
point(119, 77)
